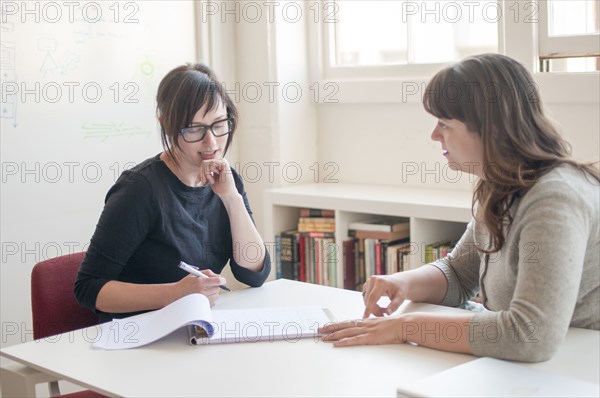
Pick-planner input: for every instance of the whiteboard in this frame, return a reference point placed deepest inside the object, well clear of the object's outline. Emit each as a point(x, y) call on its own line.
point(78, 107)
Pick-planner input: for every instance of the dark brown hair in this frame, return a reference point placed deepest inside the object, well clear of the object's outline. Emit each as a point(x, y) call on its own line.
point(497, 99)
point(181, 93)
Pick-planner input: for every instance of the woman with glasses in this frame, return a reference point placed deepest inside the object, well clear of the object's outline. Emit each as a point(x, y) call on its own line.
point(531, 249)
point(184, 204)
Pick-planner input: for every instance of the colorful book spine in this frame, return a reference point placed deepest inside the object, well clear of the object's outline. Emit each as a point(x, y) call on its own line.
point(289, 261)
point(316, 213)
point(395, 235)
point(286, 256)
point(381, 224)
point(302, 254)
point(316, 227)
point(337, 280)
point(437, 250)
point(278, 256)
point(378, 262)
point(316, 220)
point(349, 258)
point(317, 261)
point(360, 252)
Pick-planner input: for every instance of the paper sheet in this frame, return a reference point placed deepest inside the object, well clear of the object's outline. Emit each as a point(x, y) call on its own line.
point(217, 326)
point(142, 329)
point(260, 324)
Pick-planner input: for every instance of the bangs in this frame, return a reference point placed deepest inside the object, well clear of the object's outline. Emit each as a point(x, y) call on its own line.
point(201, 91)
point(444, 95)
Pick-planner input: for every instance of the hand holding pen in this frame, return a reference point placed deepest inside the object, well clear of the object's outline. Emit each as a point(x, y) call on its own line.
point(196, 271)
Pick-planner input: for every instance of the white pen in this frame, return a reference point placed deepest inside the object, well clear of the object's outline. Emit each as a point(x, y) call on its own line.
point(196, 271)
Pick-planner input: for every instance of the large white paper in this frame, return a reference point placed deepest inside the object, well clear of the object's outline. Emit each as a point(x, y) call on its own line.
point(142, 329)
point(260, 324)
point(212, 327)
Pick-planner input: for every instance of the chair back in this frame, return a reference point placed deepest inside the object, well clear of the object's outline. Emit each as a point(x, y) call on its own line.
point(53, 303)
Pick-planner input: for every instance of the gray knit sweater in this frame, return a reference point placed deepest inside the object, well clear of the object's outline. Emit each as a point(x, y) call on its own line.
point(545, 278)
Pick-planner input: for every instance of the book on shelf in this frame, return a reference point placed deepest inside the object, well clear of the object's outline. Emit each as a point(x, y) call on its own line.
point(309, 253)
point(316, 220)
point(364, 257)
point(316, 224)
point(321, 261)
point(304, 212)
point(316, 227)
point(398, 255)
point(318, 261)
point(378, 260)
point(277, 256)
point(349, 258)
point(370, 257)
point(437, 250)
point(308, 257)
point(331, 260)
point(302, 257)
point(206, 326)
point(318, 234)
point(393, 235)
point(382, 224)
point(360, 262)
point(289, 261)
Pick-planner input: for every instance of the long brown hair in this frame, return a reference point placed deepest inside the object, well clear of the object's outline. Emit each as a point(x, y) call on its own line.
point(181, 93)
point(497, 99)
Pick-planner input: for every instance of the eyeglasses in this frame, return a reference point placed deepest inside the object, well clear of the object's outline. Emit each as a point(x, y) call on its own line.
point(198, 132)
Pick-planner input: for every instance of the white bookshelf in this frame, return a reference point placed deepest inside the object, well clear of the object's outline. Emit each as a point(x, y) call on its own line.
point(434, 214)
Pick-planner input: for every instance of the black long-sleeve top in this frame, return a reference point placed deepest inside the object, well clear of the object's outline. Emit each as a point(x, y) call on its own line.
point(150, 222)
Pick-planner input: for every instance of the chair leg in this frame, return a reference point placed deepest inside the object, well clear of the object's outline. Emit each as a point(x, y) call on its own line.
point(53, 387)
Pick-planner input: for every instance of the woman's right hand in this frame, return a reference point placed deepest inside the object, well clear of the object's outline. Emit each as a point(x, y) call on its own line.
point(393, 286)
point(206, 286)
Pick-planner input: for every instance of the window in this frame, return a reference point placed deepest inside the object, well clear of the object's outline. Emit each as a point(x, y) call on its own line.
point(384, 33)
point(569, 39)
point(387, 50)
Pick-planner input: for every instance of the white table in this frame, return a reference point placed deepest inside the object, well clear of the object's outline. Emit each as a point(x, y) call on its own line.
point(171, 367)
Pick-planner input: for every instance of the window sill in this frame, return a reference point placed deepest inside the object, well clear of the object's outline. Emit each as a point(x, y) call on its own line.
point(572, 88)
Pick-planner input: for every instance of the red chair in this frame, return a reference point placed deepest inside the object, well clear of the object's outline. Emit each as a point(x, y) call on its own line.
point(54, 307)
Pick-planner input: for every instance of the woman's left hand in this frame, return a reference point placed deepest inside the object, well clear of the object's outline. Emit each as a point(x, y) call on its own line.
point(217, 173)
point(386, 330)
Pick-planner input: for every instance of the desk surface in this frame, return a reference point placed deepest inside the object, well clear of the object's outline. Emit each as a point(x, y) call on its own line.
point(171, 367)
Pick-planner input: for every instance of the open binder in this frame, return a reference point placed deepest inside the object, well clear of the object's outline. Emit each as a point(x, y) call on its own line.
point(206, 326)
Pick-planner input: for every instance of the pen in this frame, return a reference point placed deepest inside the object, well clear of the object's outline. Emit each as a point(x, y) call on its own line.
point(196, 271)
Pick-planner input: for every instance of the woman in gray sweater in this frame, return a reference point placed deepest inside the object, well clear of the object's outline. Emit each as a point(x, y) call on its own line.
point(532, 248)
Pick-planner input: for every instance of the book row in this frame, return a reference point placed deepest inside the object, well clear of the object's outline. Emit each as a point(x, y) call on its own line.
point(313, 257)
point(307, 257)
point(376, 246)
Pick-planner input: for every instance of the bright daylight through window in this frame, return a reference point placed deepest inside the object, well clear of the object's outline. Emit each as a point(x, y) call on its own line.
point(569, 38)
point(370, 33)
point(408, 32)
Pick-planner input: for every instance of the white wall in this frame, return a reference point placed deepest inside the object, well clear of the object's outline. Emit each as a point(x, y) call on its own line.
point(390, 144)
point(60, 156)
point(580, 125)
point(277, 136)
point(385, 144)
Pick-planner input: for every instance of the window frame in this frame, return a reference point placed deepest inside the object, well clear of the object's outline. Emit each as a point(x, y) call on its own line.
point(563, 46)
point(329, 71)
point(396, 83)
